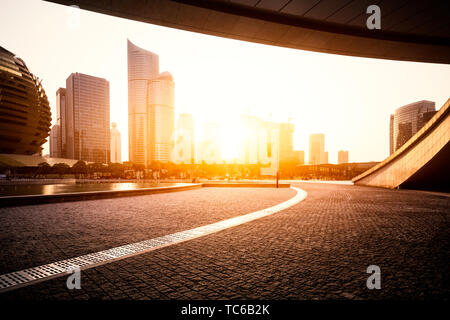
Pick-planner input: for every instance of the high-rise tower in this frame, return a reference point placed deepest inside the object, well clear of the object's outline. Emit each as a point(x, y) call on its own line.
point(87, 118)
point(317, 153)
point(116, 145)
point(150, 108)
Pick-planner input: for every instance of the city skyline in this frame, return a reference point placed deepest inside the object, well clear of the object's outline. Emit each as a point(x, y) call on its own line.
point(216, 178)
point(307, 91)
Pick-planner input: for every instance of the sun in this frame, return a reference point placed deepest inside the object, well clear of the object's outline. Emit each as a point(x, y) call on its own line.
point(230, 142)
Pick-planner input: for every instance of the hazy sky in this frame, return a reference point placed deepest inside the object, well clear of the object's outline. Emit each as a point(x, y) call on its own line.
point(348, 99)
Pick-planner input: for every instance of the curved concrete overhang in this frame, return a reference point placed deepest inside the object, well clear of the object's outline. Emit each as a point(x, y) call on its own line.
point(422, 162)
point(413, 30)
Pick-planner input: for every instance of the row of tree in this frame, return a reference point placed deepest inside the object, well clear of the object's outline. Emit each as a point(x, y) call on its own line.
point(157, 170)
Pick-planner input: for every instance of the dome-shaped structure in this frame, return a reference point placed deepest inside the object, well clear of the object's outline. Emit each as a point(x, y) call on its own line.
point(25, 115)
point(165, 76)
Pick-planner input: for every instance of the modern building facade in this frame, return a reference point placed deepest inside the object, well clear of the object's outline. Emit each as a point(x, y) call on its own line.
point(317, 153)
point(25, 116)
point(342, 156)
point(210, 151)
point(150, 108)
point(391, 134)
point(160, 117)
point(407, 120)
point(287, 142)
point(254, 140)
point(62, 121)
point(55, 142)
point(299, 155)
point(116, 144)
point(260, 137)
point(184, 140)
point(83, 119)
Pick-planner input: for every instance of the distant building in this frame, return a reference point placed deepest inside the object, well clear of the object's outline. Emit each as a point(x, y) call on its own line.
point(272, 154)
point(342, 156)
point(63, 119)
point(184, 140)
point(254, 140)
point(407, 120)
point(391, 134)
point(150, 108)
point(116, 144)
point(161, 117)
point(287, 142)
point(55, 142)
point(265, 141)
point(209, 146)
point(299, 155)
point(344, 171)
point(84, 115)
point(317, 153)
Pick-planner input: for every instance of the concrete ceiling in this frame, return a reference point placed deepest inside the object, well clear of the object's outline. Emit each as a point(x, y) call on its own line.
point(411, 30)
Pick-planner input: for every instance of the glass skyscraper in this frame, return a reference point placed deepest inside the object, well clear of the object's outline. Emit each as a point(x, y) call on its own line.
point(407, 120)
point(116, 144)
point(317, 154)
point(150, 108)
point(87, 118)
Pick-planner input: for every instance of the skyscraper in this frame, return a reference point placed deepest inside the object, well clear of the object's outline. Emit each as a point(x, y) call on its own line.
point(253, 142)
point(160, 117)
point(63, 119)
point(409, 119)
point(184, 148)
point(342, 156)
point(256, 136)
point(150, 107)
point(391, 134)
point(209, 147)
point(317, 149)
point(286, 142)
point(55, 142)
point(299, 157)
point(116, 144)
point(87, 118)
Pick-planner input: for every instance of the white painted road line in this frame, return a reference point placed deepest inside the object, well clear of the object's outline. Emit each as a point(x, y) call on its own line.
point(17, 279)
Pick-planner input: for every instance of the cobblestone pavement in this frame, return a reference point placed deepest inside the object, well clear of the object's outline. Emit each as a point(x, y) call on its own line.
point(317, 249)
point(35, 235)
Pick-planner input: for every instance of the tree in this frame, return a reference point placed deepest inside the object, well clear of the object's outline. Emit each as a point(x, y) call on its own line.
point(80, 167)
point(61, 168)
point(44, 168)
point(116, 170)
point(96, 167)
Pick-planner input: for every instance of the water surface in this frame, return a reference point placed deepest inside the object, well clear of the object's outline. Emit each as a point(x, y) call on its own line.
point(31, 189)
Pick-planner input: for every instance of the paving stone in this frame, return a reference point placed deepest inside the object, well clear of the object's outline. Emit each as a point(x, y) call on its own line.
point(317, 249)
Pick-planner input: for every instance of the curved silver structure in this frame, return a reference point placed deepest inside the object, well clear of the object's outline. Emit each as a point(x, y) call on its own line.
point(25, 115)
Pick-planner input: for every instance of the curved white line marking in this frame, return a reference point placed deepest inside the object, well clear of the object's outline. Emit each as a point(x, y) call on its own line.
point(17, 279)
